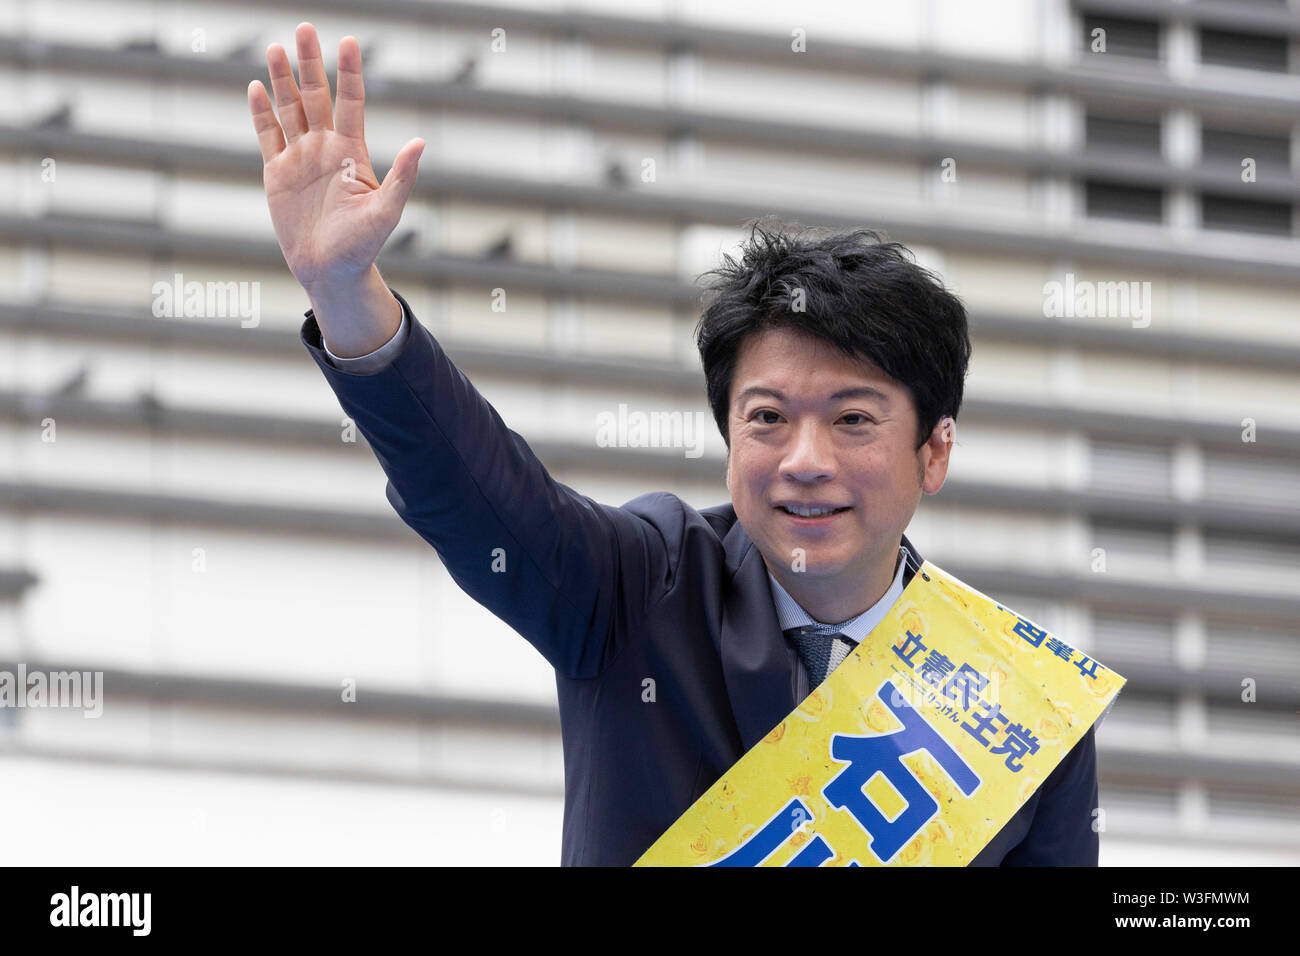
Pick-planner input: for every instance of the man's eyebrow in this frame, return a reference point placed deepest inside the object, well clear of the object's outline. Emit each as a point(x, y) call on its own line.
point(857, 391)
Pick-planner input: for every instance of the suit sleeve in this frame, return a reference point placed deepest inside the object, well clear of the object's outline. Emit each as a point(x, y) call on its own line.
point(569, 574)
point(1063, 833)
point(374, 361)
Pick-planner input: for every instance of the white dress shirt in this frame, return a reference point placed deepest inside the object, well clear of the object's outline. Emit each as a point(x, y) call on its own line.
point(791, 614)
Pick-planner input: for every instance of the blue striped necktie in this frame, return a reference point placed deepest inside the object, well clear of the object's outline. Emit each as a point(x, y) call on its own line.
point(818, 645)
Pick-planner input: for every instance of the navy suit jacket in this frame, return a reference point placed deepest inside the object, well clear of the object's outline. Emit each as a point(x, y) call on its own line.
point(613, 596)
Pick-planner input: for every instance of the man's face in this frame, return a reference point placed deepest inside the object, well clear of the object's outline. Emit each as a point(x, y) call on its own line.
point(793, 441)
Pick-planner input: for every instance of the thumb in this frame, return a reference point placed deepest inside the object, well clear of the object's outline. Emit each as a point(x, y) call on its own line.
point(397, 185)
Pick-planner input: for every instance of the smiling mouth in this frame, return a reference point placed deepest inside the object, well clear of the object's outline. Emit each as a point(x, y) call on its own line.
point(811, 516)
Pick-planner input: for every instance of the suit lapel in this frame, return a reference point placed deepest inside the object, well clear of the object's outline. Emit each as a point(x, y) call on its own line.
point(757, 661)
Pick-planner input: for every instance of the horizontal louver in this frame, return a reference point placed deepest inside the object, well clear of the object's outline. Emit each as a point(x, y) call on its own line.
point(1124, 466)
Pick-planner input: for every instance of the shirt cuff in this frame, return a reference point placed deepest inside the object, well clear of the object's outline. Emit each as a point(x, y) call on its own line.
point(377, 360)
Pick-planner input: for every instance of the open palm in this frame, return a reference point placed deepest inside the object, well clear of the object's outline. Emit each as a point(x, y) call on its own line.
point(330, 212)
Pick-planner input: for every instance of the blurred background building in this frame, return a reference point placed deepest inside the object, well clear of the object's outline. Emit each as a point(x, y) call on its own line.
point(201, 530)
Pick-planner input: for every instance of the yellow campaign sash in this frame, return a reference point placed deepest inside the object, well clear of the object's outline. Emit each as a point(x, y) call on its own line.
point(915, 751)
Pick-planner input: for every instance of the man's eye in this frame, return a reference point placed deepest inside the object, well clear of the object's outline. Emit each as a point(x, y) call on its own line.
point(766, 412)
point(864, 419)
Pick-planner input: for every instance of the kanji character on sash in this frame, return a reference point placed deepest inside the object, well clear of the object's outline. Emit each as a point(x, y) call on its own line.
point(962, 680)
point(936, 667)
point(882, 754)
point(1087, 671)
point(1060, 648)
point(992, 712)
point(1019, 742)
point(1033, 635)
point(908, 651)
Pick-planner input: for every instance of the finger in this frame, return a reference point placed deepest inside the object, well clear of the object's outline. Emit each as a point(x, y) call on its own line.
point(270, 138)
point(397, 185)
point(351, 99)
point(287, 101)
point(313, 82)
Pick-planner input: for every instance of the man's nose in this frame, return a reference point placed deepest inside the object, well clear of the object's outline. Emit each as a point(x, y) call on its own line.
point(812, 455)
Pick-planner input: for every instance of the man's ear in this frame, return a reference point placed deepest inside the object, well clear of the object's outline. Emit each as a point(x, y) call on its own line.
point(935, 454)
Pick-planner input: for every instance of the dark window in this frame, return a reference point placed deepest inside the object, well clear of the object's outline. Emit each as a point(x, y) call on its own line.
point(1130, 135)
point(1251, 550)
point(1132, 545)
point(1246, 215)
point(1135, 468)
point(1253, 51)
point(1118, 201)
point(1124, 37)
point(1226, 147)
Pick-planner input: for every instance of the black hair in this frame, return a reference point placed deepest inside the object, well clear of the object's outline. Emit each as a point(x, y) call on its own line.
point(866, 296)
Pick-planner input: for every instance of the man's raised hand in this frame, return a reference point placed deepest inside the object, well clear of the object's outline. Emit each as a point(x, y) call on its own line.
point(330, 213)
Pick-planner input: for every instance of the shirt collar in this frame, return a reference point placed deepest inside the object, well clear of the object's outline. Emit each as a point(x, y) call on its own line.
point(791, 614)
